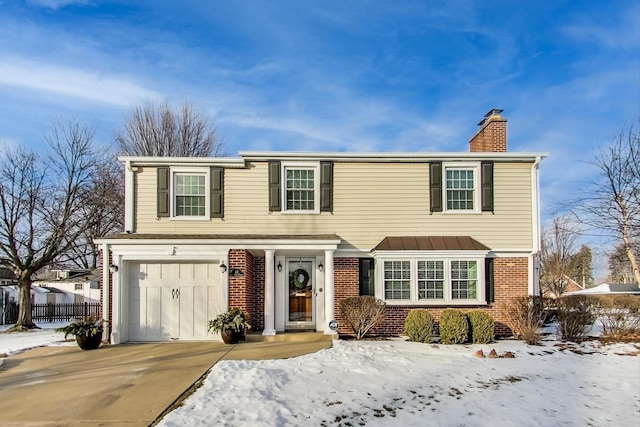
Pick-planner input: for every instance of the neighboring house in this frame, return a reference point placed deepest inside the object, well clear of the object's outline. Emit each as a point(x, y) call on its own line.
point(78, 286)
point(571, 286)
point(287, 235)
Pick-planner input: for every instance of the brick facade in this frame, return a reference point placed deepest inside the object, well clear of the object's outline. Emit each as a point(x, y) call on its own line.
point(241, 285)
point(511, 279)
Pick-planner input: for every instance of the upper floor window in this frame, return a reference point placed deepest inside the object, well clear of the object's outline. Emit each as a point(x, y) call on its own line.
point(300, 186)
point(300, 189)
point(460, 189)
point(189, 194)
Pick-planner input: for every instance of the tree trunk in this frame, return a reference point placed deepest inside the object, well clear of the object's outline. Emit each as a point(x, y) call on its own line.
point(634, 262)
point(25, 319)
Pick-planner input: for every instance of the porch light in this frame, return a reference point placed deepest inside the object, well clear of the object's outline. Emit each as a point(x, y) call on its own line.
point(320, 267)
point(113, 268)
point(223, 268)
point(279, 266)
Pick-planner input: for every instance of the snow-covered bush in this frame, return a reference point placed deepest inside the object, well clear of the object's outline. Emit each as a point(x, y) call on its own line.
point(419, 326)
point(618, 315)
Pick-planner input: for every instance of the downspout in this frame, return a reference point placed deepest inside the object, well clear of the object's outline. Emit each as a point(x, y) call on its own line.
point(534, 288)
point(129, 201)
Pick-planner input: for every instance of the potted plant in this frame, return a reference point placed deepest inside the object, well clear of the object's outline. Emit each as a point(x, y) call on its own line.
point(87, 330)
point(231, 325)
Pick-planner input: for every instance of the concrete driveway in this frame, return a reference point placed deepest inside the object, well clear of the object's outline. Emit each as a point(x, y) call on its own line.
point(127, 384)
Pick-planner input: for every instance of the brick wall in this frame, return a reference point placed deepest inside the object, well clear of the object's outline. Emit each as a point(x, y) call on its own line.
point(511, 279)
point(346, 284)
point(257, 322)
point(241, 287)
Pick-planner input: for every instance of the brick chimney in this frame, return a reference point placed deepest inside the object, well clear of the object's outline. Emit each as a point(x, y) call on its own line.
point(492, 135)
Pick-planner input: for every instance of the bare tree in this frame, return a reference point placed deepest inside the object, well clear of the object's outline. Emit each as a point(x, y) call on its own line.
point(612, 205)
point(558, 260)
point(105, 206)
point(620, 270)
point(40, 198)
point(159, 130)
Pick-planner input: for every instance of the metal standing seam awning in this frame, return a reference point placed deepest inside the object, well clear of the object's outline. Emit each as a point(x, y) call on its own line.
point(430, 243)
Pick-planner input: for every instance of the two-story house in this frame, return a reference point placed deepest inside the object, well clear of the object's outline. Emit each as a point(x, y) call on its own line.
point(287, 235)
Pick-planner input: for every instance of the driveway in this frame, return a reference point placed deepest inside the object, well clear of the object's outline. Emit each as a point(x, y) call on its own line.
point(127, 384)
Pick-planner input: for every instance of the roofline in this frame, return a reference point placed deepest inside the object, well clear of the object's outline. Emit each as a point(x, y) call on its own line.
point(386, 156)
point(403, 157)
point(229, 162)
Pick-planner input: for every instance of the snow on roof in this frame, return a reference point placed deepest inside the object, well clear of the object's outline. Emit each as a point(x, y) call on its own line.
point(608, 288)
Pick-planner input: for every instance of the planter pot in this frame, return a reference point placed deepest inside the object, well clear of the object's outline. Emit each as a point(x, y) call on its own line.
point(90, 342)
point(231, 337)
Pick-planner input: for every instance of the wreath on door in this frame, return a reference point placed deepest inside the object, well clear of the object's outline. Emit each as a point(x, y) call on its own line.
point(300, 278)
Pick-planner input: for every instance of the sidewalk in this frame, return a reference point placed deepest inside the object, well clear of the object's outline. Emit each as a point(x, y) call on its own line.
point(127, 384)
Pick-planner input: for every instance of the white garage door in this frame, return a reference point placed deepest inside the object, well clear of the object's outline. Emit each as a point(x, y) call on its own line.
point(173, 301)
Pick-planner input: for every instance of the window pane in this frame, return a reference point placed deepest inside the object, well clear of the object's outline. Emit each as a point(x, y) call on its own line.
point(397, 280)
point(190, 195)
point(430, 279)
point(460, 189)
point(464, 279)
point(300, 193)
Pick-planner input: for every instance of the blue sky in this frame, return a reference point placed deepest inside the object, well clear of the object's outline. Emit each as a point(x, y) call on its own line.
point(333, 75)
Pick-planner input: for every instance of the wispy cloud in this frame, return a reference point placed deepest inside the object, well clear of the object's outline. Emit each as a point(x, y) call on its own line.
point(58, 4)
point(73, 82)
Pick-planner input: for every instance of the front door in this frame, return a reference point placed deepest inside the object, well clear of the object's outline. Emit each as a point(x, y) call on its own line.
point(300, 294)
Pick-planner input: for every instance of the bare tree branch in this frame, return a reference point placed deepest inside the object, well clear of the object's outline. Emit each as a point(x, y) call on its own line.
point(159, 130)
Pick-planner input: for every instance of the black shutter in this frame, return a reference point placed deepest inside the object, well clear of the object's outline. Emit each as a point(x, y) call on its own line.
point(487, 186)
point(274, 187)
point(326, 186)
point(217, 192)
point(488, 276)
point(366, 274)
point(163, 192)
point(435, 186)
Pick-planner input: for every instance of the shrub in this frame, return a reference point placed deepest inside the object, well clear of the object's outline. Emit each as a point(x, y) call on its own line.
point(524, 315)
point(362, 313)
point(454, 327)
point(482, 327)
point(575, 317)
point(419, 326)
point(618, 315)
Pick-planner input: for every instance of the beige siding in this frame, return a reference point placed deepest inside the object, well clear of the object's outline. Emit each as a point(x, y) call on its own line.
point(371, 201)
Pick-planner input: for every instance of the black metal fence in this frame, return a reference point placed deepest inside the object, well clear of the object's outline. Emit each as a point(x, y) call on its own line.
point(52, 312)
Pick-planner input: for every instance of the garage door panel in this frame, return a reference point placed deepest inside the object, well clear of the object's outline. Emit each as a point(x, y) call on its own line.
point(171, 301)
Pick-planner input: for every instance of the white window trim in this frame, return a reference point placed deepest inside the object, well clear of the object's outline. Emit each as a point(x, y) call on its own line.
point(478, 256)
point(316, 186)
point(475, 166)
point(207, 190)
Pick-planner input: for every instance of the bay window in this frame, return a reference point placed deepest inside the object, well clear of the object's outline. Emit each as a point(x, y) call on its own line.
point(432, 281)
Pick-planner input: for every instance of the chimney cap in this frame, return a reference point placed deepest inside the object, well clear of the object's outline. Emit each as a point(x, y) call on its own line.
point(494, 112)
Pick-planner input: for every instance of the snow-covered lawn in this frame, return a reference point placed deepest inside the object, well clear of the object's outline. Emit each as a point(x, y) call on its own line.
point(389, 383)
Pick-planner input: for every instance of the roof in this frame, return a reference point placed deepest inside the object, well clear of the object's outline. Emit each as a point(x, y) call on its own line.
point(608, 288)
point(410, 157)
point(430, 243)
point(227, 237)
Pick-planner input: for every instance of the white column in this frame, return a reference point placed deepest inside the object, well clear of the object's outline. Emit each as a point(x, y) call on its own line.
point(269, 293)
point(329, 292)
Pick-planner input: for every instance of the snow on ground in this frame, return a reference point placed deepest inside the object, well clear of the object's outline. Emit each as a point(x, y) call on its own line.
point(12, 343)
point(389, 383)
